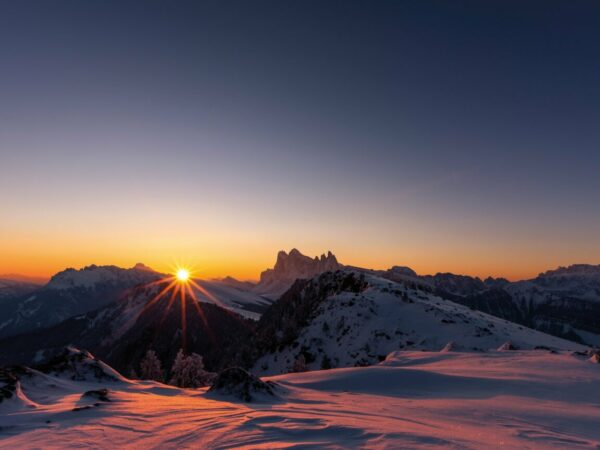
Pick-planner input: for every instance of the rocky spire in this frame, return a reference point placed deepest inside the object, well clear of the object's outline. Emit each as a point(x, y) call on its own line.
point(293, 265)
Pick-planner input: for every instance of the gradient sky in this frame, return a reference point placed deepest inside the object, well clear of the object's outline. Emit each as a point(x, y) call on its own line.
point(446, 136)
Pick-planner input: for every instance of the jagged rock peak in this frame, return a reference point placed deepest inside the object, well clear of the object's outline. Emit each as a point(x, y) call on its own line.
point(292, 266)
point(296, 261)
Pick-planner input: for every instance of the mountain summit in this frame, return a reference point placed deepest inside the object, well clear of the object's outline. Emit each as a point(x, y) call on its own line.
point(93, 276)
point(301, 266)
point(291, 266)
point(69, 293)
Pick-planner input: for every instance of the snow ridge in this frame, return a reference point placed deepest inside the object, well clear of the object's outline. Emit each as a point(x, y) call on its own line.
point(356, 328)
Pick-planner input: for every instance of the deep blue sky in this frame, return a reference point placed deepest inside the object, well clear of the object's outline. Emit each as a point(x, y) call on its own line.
point(444, 135)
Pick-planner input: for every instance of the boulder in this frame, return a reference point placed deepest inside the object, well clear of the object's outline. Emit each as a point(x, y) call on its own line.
point(238, 383)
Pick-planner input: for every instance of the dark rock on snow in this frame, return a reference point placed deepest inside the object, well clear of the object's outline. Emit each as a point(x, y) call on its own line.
point(238, 383)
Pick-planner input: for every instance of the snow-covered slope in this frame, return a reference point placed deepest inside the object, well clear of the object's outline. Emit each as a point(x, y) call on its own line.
point(577, 282)
point(70, 293)
point(234, 297)
point(238, 284)
point(349, 318)
point(142, 319)
point(90, 330)
point(564, 302)
point(520, 399)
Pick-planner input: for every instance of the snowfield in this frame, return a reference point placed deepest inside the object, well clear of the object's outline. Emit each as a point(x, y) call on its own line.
point(509, 399)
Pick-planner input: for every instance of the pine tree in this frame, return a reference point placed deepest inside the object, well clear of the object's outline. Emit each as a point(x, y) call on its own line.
point(178, 369)
point(150, 368)
point(197, 376)
point(188, 371)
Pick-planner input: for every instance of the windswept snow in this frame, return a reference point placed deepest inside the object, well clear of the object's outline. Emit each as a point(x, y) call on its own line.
point(517, 399)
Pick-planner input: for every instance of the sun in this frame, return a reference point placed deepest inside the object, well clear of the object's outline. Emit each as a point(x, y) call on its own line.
point(183, 275)
point(181, 286)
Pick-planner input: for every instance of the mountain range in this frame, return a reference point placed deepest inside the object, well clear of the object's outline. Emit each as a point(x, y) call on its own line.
point(69, 293)
point(329, 315)
point(563, 302)
point(348, 318)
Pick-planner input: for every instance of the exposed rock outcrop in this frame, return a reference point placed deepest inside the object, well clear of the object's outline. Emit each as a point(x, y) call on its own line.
point(290, 267)
point(238, 383)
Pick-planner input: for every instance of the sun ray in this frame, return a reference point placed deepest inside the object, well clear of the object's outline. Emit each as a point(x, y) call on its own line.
point(165, 313)
point(201, 314)
point(159, 281)
point(207, 294)
point(197, 306)
point(183, 319)
point(214, 299)
point(158, 296)
point(183, 285)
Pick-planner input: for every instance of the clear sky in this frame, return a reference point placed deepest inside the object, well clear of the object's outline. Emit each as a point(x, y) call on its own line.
point(446, 136)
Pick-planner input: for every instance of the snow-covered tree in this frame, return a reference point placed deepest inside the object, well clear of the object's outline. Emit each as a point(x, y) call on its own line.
point(188, 371)
point(178, 369)
point(150, 368)
point(197, 376)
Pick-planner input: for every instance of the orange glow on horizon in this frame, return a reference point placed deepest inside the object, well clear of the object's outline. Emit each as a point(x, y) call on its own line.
point(42, 270)
point(245, 259)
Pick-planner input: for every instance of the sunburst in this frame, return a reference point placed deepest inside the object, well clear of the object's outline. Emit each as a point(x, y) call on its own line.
point(179, 285)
